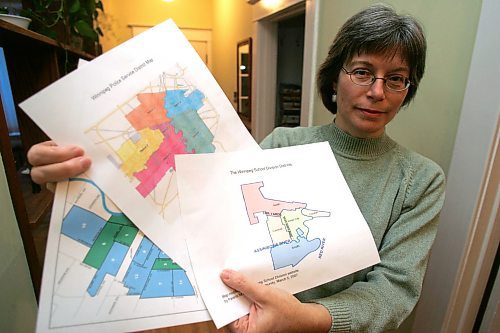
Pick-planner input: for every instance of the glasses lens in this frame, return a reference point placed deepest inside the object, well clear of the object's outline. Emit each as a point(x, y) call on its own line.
point(396, 82)
point(362, 77)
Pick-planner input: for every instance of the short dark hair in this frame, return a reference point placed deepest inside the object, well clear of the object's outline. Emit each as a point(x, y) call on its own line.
point(377, 29)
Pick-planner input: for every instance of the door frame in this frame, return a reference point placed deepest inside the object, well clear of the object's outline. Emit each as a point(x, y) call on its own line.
point(192, 35)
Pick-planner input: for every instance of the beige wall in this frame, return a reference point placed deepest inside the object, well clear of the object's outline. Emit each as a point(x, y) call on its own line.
point(18, 307)
point(118, 14)
point(430, 122)
point(450, 26)
point(229, 20)
point(232, 22)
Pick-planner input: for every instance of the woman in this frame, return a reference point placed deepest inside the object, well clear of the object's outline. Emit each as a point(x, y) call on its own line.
point(373, 68)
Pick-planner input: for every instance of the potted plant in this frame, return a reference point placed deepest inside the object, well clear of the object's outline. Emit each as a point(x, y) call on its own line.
point(11, 15)
point(73, 22)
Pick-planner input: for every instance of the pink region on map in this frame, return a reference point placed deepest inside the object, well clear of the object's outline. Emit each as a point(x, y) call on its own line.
point(255, 202)
point(161, 160)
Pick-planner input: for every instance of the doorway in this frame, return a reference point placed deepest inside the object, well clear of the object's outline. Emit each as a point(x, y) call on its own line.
point(265, 100)
point(289, 70)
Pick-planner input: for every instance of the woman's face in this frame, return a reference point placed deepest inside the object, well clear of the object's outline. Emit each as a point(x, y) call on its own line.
point(363, 111)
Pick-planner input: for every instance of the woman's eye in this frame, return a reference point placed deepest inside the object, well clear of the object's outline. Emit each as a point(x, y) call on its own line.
point(396, 78)
point(361, 73)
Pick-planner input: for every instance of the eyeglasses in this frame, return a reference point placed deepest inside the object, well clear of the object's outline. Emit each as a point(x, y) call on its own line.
point(363, 77)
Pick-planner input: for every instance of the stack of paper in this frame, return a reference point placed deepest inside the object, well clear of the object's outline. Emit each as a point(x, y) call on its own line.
point(118, 255)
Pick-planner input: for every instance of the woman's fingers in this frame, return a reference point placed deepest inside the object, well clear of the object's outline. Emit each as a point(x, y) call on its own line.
point(59, 171)
point(52, 163)
point(238, 281)
point(49, 153)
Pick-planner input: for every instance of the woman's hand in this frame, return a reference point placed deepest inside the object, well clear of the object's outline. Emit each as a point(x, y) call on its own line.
point(274, 310)
point(52, 163)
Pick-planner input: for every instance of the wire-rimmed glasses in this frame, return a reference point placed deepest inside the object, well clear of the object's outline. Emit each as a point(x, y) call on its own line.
point(363, 77)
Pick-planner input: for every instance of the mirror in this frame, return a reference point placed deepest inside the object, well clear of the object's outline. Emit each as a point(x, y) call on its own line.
point(244, 81)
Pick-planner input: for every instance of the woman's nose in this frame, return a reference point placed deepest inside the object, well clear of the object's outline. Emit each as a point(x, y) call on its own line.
point(376, 90)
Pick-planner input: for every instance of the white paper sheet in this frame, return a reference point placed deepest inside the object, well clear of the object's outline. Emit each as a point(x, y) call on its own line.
point(132, 109)
point(285, 217)
point(102, 274)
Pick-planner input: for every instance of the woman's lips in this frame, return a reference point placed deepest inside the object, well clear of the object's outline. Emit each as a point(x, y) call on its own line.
point(370, 111)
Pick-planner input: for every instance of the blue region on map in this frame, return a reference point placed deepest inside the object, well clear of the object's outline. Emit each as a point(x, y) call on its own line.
point(159, 283)
point(110, 266)
point(182, 110)
point(292, 253)
point(168, 283)
point(142, 253)
point(82, 225)
point(177, 102)
point(182, 286)
point(138, 273)
point(141, 279)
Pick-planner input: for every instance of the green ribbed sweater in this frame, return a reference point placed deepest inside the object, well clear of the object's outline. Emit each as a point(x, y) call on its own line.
point(400, 194)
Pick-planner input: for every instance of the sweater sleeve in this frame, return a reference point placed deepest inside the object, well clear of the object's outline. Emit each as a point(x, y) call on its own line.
point(392, 288)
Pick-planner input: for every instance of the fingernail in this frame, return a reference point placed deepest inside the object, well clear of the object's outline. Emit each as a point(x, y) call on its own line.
point(226, 274)
point(76, 149)
point(84, 162)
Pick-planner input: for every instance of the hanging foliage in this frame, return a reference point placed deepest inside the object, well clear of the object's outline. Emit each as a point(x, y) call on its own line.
point(73, 22)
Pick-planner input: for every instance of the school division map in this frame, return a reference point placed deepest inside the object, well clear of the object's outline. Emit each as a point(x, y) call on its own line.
point(286, 224)
point(285, 217)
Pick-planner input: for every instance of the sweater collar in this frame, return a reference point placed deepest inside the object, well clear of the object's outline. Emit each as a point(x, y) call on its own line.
point(346, 145)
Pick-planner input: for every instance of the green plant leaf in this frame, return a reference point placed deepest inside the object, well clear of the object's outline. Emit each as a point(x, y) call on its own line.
point(74, 6)
point(4, 10)
point(84, 29)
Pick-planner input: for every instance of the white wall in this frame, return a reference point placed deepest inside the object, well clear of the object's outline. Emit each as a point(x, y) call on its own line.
point(477, 136)
point(18, 306)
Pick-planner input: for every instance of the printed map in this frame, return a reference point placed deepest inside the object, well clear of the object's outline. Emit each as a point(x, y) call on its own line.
point(170, 116)
point(286, 223)
point(106, 269)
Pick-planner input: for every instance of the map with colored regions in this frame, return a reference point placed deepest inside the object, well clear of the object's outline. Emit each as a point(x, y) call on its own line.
point(287, 224)
point(141, 136)
point(106, 269)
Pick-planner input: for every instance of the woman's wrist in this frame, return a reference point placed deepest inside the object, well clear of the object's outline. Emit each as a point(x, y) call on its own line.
point(319, 317)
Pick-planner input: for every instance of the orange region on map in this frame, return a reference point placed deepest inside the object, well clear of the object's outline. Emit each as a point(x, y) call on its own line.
point(255, 202)
point(136, 152)
point(150, 112)
point(161, 160)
